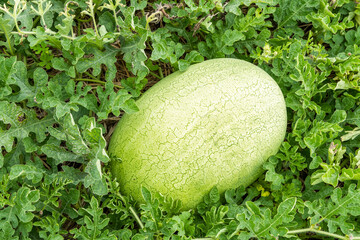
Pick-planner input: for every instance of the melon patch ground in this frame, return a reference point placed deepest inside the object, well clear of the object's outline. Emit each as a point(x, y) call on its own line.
point(70, 70)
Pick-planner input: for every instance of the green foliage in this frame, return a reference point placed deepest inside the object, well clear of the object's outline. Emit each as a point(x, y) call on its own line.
point(68, 69)
point(93, 223)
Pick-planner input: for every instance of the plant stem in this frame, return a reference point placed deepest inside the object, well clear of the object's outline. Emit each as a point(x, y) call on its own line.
point(136, 217)
point(94, 80)
point(161, 73)
point(305, 230)
point(155, 75)
point(116, 21)
point(84, 20)
point(89, 80)
point(90, 75)
point(34, 33)
point(92, 14)
point(8, 41)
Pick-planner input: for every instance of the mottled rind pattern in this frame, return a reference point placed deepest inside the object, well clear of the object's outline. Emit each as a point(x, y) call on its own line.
point(212, 125)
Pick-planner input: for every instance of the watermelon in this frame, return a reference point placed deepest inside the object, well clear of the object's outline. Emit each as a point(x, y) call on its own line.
point(213, 125)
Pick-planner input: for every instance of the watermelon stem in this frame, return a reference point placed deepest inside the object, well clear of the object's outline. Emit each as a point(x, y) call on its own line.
point(313, 230)
point(132, 210)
